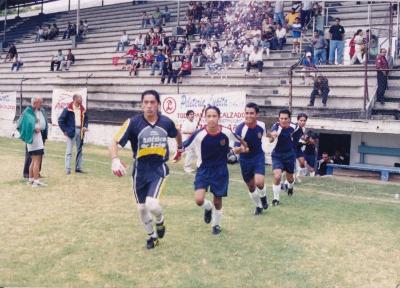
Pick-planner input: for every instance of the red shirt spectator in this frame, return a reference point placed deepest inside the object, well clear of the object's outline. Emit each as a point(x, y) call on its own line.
point(186, 66)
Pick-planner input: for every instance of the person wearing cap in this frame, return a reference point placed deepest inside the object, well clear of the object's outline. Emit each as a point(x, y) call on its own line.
point(308, 65)
point(381, 65)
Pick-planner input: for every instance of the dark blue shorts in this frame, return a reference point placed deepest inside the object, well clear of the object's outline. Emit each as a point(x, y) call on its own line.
point(252, 166)
point(216, 178)
point(149, 183)
point(284, 161)
point(310, 160)
point(299, 153)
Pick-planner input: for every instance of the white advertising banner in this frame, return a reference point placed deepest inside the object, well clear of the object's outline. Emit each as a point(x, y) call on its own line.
point(61, 98)
point(231, 104)
point(8, 105)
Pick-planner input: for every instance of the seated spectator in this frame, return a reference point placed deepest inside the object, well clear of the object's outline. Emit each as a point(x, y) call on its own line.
point(197, 56)
point(291, 18)
point(176, 67)
point(186, 69)
point(321, 87)
point(166, 15)
point(68, 30)
point(269, 40)
point(57, 60)
point(228, 54)
point(135, 65)
point(148, 58)
point(17, 63)
point(145, 20)
point(296, 34)
point(156, 19)
point(39, 34)
point(255, 61)
point(54, 31)
point(190, 30)
point(68, 60)
point(246, 51)
point(85, 27)
point(12, 51)
point(157, 64)
point(308, 66)
point(359, 45)
point(129, 56)
point(281, 36)
point(214, 63)
point(139, 42)
point(166, 69)
point(46, 32)
point(81, 30)
point(319, 46)
point(123, 41)
point(322, 164)
point(338, 158)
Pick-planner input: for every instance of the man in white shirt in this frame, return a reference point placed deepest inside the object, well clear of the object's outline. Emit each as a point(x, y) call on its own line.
point(246, 51)
point(123, 41)
point(255, 61)
point(187, 129)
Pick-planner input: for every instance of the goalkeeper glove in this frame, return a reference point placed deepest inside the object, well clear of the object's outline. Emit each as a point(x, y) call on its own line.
point(118, 167)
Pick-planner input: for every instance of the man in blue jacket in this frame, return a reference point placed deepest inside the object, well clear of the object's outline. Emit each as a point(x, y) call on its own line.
point(73, 122)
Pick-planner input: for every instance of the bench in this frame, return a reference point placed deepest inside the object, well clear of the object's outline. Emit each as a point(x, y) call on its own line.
point(371, 150)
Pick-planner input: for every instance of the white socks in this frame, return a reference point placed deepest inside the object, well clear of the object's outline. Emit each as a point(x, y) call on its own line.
point(276, 189)
point(207, 205)
point(216, 217)
point(289, 185)
point(154, 207)
point(145, 217)
point(256, 198)
point(261, 192)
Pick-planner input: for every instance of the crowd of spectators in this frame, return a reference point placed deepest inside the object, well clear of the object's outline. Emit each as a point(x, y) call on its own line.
point(51, 32)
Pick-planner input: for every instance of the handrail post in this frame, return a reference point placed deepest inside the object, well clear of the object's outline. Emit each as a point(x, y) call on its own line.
point(390, 28)
point(290, 89)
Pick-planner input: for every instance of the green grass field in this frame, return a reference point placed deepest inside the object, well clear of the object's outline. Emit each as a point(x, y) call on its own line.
point(83, 231)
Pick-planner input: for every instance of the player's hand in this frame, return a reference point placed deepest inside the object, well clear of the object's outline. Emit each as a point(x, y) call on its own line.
point(245, 149)
point(118, 167)
point(178, 155)
point(273, 134)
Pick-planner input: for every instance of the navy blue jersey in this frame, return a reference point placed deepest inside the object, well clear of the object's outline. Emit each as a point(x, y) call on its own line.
point(309, 149)
point(297, 134)
point(149, 142)
point(211, 149)
point(285, 138)
point(253, 137)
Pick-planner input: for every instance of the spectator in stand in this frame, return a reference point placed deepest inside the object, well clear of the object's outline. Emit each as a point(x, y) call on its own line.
point(269, 40)
point(278, 13)
point(322, 164)
point(319, 19)
point(352, 45)
point(69, 60)
point(338, 158)
point(166, 69)
point(359, 48)
point(190, 30)
point(382, 66)
point(308, 66)
point(129, 56)
point(139, 42)
point(85, 27)
point(39, 34)
point(135, 65)
point(157, 64)
point(54, 31)
point(12, 51)
point(319, 46)
point(291, 18)
point(46, 32)
point(246, 51)
point(145, 19)
point(281, 36)
point(228, 53)
point(67, 32)
point(296, 34)
point(176, 67)
point(123, 41)
point(214, 63)
point(305, 12)
point(57, 60)
point(373, 45)
point(255, 61)
point(148, 58)
point(336, 43)
point(156, 19)
point(166, 15)
point(17, 63)
point(321, 87)
point(186, 69)
point(197, 56)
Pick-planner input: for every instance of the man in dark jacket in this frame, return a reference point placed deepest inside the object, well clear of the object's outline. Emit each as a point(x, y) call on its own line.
point(382, 67)
point(321, 87)
point(73, 122)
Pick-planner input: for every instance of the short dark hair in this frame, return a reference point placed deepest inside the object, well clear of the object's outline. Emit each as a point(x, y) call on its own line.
point(301, 115)
point(215, 108)
point(151, 92)
point(254, 106)
point(189, 112)
point(337, 19)
point(285, 111)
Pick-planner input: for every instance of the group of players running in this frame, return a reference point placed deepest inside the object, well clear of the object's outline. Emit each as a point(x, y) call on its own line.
point(148, 134)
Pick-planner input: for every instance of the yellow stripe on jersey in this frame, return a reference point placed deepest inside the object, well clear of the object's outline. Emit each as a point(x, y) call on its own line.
point(122, 130)
point(152, 151)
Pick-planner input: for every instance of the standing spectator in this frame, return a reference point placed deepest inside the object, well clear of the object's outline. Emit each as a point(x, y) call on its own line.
point(319, 46)
point(190, 30)
point(336, 43)
point(352, 45)
point(281, 36)
point(255, 61)
point(188, 128)
point(359, 48)
point(39, 34)
point(12, 51)
point(321, 87)
point(73, 122)
point(166, 15)
point(296, 34)
point(145, 20)
point(69, 60)
point(85, 27)
point(322, 164)
point(291, 17)
point(159, 59)
point(186, 69)
point(57, 60)
point(156, 19)
point(382, 65)
point(278, 13)
point(305, 12)
point(30, 126)
point(17, 63)
point(123, 41)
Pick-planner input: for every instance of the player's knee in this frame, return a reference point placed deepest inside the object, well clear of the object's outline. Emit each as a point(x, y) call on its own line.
point(152, 204)
point(199, 201)
point(218, 203)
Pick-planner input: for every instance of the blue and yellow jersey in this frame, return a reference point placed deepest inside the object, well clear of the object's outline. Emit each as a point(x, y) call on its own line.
point(149, 142)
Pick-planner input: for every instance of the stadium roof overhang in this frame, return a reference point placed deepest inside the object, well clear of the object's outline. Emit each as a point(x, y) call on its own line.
point(21, 3)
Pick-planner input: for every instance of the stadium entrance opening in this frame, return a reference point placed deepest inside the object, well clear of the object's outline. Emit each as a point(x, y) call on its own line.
point(335, 145)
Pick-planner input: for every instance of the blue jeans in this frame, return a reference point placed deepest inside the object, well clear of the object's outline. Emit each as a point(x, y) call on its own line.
point(156, 65)
point(320, 55)
point(333, 46)
point(279, 18)
point(68, 155)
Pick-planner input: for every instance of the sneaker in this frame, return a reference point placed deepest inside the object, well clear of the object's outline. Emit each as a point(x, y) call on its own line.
point(160, 227)
point(258, 211)
point(264, 202)
point(324, 105)
point(275, 202)
point(310, 104)
point(284, 187)
point(290, 192)
point(79, 171)
point(207, 216)
point(68, 172)
point(37, 184)
point(151, 243)
point(216, 230)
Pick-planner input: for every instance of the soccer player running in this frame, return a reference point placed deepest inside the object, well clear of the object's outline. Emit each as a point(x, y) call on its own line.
point(148, 133)
point(211, 146)
point(252, 164)
point(297, 136)
point(283, 154)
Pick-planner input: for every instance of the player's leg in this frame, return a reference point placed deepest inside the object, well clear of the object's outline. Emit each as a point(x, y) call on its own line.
point(289, 166)
point(201, 201)
point(217, 215)
point(154, 191)
point(219, 187)
point(276, 186)
point(301, 170)
point(261, 189)
point(247, 170)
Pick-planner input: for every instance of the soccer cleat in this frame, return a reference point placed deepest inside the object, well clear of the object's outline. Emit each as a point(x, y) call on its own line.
point(207, 216)
point(284, 187)
point(216, 230)
point(37, 184)
point(151, 243)
point(160, 227)
point(264, 202)
point(275, 202)
point(258, 211)
point(290, 192)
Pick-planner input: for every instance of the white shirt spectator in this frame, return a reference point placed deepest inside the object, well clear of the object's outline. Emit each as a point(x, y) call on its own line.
point(124, 38)
point(281, 33)
point(248, 49)
point(188, 127)
point(256, 56)
point(218, 58)
point(307, 5)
